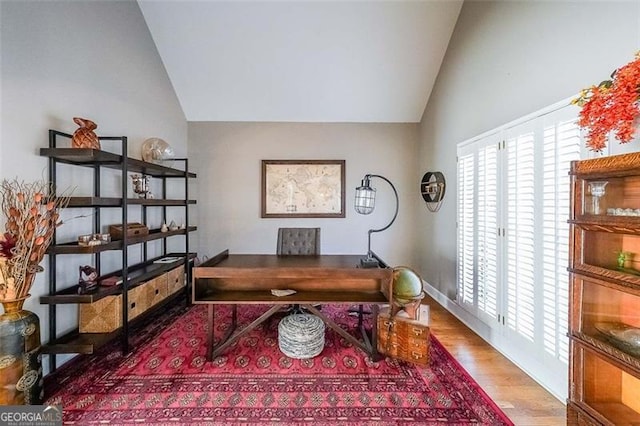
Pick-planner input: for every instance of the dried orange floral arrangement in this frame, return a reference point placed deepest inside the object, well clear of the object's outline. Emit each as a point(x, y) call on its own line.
point(611, 106)
point(32, 216)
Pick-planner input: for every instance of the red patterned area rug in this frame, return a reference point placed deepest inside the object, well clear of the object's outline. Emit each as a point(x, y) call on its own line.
point(166, 379)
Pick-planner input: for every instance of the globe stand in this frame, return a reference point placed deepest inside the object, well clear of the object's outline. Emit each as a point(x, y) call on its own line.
point(408, 292)
point(412, 307)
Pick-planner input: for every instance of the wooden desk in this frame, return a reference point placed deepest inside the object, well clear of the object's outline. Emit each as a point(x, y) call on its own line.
point(242, 279)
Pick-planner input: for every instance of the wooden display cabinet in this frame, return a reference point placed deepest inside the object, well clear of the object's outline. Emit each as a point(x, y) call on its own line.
point(604, 377)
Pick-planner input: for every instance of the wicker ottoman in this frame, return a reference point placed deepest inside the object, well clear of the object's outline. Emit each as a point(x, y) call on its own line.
point(301, 336)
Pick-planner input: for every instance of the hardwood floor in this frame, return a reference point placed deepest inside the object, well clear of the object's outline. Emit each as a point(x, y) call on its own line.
point(518, 395)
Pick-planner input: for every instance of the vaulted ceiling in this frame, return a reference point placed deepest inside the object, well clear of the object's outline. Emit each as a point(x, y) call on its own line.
point(302, 61)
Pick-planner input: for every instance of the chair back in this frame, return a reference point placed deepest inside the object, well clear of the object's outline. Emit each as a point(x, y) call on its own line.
point(298, 241)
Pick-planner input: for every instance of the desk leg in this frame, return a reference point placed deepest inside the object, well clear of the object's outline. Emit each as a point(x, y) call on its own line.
point(210, 333)
point(231, 335)
point(234, 317)
point(375, 356)
point(331, 323)
point(371, 342)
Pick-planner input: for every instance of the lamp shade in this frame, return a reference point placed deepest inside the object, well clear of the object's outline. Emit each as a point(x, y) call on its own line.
point(365, 199)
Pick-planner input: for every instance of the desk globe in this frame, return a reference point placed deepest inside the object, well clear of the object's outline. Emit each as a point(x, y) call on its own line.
point(407, 291)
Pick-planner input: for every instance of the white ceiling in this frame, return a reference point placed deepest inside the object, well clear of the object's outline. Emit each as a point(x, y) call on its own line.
point(302, 61)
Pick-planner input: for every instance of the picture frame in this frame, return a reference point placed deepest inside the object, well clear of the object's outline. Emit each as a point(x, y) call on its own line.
point(303, 188)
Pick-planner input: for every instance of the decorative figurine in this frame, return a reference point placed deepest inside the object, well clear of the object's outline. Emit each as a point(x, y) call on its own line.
point(84, 136)
point(88, 279)
point(623, 256)
point(155, 150)
point(141, 186)
point(173, 226)
point(164, 228)
point(597, 191)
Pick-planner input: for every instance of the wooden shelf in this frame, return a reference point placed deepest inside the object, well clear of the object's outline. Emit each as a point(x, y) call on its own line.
point(614, 166)
point(77, 343)
point(591, 414)
point(608, 223)
point(117, 202)
point(159, 202)
point(70, 295)
point(614, 276)
point(137, 274)
point(75, 248)
point(600, 345)
point(154, 234)
point(90, 157)
point(301, 297)
point(616, 412)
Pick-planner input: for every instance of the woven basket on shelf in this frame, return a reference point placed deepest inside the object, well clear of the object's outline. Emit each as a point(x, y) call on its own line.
point(102, 316)
point(156, 290)
point(175, 279)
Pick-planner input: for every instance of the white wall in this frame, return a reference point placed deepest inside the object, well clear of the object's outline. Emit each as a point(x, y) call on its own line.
point(505, 60)
point(227, 158)
point(63, 59)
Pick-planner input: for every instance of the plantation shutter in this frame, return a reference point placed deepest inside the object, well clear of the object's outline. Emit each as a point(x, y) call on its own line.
point(487, 230)
point(520, 231)
point(466, 213)
point(478, 227)
point(561, 146)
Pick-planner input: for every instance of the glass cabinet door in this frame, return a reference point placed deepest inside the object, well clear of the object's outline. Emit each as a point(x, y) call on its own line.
point(609, 317)
point(612, 392)
point(615, 252)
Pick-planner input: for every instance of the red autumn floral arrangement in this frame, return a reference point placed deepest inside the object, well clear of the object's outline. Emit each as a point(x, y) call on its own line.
point(611, 106)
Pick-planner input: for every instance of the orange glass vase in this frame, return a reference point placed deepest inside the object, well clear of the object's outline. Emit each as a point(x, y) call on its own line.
point(84, 136)
point(20, 358)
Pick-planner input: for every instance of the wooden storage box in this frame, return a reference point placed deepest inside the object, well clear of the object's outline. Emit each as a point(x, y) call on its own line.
point(102, 316)
point(175, 279)
point(156, 290)
point(133, 230)
point(404, 338)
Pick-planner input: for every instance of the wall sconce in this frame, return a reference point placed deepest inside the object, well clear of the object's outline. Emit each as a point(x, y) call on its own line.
point(364, 204)
point(432, 188)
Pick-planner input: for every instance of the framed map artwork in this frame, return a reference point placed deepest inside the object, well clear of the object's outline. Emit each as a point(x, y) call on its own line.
point(303, 188)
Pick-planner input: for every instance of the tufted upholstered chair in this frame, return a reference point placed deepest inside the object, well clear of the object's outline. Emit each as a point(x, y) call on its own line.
point(298, 242)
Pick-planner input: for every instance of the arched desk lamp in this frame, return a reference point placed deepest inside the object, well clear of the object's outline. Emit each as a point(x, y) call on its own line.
point(365, 203)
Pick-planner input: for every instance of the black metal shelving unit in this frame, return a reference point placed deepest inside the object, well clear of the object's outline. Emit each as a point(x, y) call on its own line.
point(131, 275)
